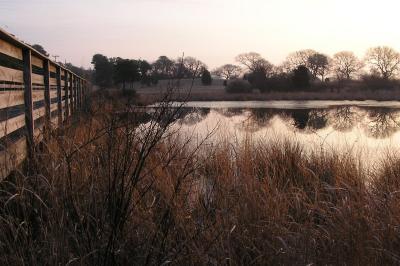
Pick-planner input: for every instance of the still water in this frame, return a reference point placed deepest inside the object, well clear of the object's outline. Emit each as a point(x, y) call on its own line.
point(367, 129)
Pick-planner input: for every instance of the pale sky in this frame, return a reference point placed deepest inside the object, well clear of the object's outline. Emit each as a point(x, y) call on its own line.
point(214, 31)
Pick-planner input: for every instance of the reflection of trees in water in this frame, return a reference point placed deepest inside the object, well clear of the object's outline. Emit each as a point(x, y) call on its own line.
point(300, 118)
point(192, 116)
point(230, 112)
point(261, 117)
point(305, 120)
point(382, 122)
point(343, 118)
point(377, 122)
point(318, 119)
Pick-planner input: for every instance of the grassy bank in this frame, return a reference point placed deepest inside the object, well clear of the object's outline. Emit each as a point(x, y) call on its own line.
point(106, 191)
point(216, 92)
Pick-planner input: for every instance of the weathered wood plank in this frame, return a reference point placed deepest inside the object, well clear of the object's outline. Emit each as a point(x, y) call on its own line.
point(53, 68)
point(37, 79)
point(53, 82)
point(38, 113)
point(11, 75)
point(36, 61)
point(11, 98)
point(10, 50)
point(10, 125)
point(53, 94)
point(37, 95)
point(12, 157)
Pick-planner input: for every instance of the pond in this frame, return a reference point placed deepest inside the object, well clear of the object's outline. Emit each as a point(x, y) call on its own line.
point(368, 129)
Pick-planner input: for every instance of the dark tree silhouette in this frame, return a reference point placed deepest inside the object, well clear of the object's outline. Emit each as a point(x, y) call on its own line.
point(319, 65)
point(145, 75)
point(163, 67)
point(126, 70)
point(301, 77)
point(103, 70)
point(206, 77)
point(40, 49)
point(258, 79)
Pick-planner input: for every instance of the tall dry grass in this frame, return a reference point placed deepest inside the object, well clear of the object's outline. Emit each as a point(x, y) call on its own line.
point(110, 191)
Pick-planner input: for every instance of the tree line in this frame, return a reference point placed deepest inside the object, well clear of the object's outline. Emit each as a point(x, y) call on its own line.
point(299, 69)
point(306, 67)
point(124, 72)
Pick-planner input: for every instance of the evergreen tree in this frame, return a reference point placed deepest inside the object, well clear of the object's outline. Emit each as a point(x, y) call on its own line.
point(206, 79)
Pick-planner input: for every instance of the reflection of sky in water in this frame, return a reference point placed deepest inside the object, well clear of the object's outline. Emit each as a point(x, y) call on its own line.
point(367, 132)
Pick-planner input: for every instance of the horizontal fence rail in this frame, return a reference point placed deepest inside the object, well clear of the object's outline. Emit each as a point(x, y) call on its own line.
point(36, 96)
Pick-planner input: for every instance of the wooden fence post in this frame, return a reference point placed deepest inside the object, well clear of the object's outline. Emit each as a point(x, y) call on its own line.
point(66, 94)
point(47, 116)
point(80, 93)
point(83, 92)
point(59, 99)
point(78, 101)
point(71, 90)
point(28, 103)
point(76, 93)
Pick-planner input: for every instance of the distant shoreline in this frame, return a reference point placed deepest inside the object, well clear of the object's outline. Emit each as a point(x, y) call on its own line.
point(196, 95)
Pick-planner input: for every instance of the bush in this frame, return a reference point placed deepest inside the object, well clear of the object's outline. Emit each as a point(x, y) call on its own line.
point(206, 79)
point(258, 80)
point(238, 86)
point(279, 82)
point(374, 82)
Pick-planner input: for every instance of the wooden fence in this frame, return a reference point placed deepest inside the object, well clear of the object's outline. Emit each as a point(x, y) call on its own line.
point(36, 95)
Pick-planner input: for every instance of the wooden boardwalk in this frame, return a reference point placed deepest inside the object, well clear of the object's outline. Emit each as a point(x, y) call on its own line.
point(36, 95)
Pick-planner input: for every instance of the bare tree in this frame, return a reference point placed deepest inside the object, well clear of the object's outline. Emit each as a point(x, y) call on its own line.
point(383, 60)
point(345, 64)
point(163, 67)
point(298, 58)
point(227, 71)
point(254, 62)
point(193, 66)
point(319, 65)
